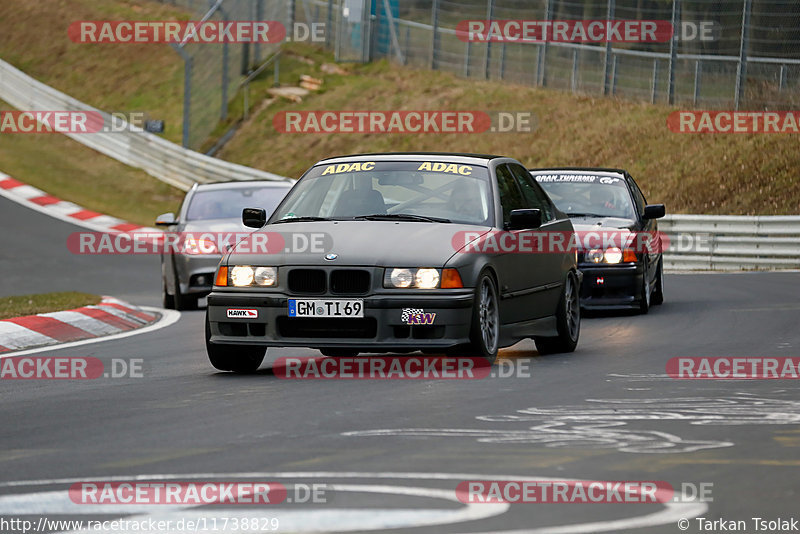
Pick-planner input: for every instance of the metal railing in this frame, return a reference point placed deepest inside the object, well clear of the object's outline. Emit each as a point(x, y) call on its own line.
point(158, 157)
point(731, 243)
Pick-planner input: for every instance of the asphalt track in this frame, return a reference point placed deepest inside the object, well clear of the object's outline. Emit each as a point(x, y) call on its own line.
point(391, 452)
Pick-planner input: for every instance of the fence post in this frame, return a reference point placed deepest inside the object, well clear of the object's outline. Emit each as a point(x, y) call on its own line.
point(258, 14)
point(502, 60)
point(434, 34)
point(408, 37)
point(741, 70)
point(542, 57)
point(489, 16)
point(573, 82)
point(614, 75)
point(329, 25)
point(223, 110)
point(697, 72)
point(467, 50)
point(608, 59)
point(654, 88)
point(782, 79)
point(187, 93)
point(673, 52)
point(290, 13)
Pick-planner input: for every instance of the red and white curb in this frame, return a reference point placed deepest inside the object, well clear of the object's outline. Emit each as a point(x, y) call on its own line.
point(110, 317)
point(38, 200)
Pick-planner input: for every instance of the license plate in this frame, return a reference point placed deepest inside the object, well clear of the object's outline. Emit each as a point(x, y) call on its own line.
point(326, 308)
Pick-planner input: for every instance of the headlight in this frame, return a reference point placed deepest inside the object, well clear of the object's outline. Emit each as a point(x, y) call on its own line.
point(422, 278)
point(400, 278)
point(203, 245)
point(266, 276)
point(613, 255)
point(427, 278)
point(595, 255)
point(242, 275)
point(245, 276)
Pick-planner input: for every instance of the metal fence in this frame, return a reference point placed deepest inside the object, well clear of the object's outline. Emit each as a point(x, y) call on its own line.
point(158, 157)
point(213, 72)
point(753, 61)
point(731, 243)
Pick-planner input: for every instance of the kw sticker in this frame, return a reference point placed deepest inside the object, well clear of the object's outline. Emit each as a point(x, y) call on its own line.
point(464, 170)
point(242, 313)
point(417, 316)
point(349, 167)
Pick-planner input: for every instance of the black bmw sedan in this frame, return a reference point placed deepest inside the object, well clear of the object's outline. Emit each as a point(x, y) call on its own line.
point(619, 246)
point(407, 258)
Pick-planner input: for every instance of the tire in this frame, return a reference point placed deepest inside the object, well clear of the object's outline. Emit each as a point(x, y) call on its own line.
point(338, 353)
point(237, 358)
point(644, 300)
point(183, 302)
point(485, 329)
point(167, 300)
point(568, 321)
point(658, 293)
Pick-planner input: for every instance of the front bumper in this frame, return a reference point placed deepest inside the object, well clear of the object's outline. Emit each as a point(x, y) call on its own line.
point(195, 273)
point(381, 328)
point(610, 286)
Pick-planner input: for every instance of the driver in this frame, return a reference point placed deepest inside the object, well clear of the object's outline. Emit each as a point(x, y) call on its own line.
point(465, 200)
point(601, 196)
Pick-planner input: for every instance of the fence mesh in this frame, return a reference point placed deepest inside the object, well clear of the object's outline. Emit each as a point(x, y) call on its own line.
point(764, 58)
point(214, 71)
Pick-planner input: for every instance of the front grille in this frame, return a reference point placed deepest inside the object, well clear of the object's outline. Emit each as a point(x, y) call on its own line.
point(307, 281)
point(350, 282)
point(356, 327)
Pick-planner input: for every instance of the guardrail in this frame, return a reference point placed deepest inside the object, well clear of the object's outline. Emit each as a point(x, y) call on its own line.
point(158, 157)
point(731, 243)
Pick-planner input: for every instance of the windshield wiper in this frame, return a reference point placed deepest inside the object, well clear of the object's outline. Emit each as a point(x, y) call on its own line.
point(401, 217)
point(301, 219)
point(576, 214)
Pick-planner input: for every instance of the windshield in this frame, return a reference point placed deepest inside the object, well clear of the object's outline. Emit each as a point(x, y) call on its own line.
point(229, 203)
point(588, 195)
point(422, 189)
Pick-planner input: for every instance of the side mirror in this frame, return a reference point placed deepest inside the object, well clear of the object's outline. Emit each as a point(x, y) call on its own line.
point(527, 219)
point(254, 217)
point(166, 219)
point(654, 211)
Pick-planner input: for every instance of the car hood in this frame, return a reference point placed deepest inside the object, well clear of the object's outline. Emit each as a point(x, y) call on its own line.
point(380, 243)
point(216, 225)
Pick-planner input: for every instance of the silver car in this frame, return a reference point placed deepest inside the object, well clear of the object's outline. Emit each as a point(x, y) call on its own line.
point(210, 215)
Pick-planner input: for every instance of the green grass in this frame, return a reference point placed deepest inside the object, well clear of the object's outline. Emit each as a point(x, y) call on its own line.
point(66, 169)
point(19, 306)
point(113, 77)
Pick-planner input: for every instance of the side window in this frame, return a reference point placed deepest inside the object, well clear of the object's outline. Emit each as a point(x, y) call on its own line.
point(638, 197)
point(534, 196)
point(510, 196)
